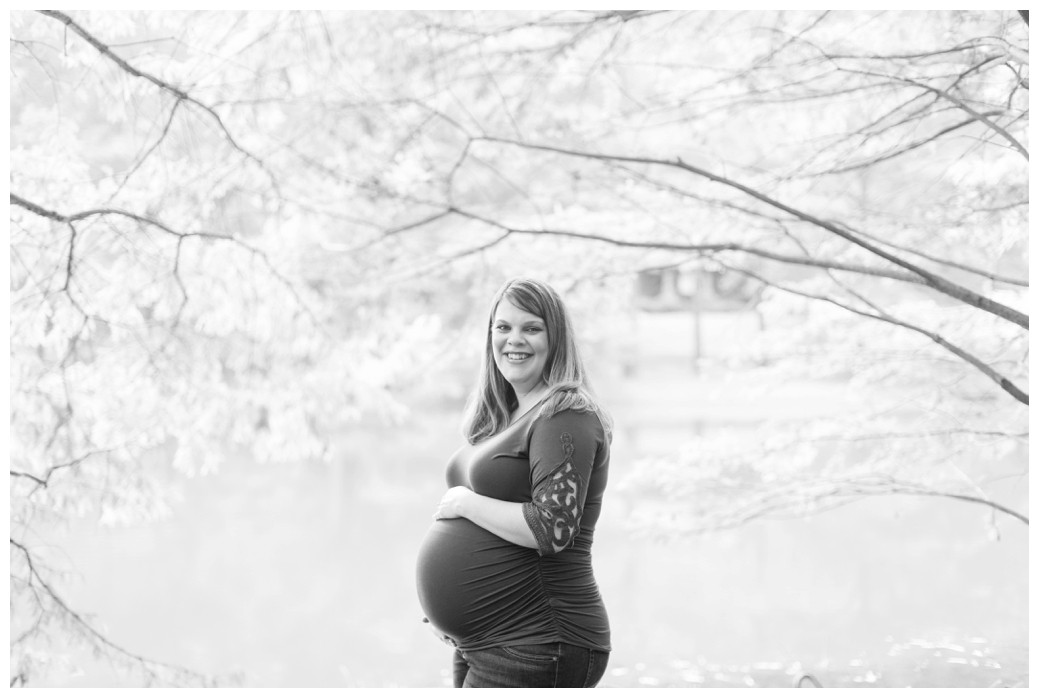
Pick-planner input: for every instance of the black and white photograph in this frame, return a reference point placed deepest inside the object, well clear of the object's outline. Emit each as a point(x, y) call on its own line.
point(518, 348)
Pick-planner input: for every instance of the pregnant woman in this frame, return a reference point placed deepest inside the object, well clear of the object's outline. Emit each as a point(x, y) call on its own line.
point(505, 572)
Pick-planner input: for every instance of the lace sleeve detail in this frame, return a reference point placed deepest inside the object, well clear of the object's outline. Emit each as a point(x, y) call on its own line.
point(554, 515)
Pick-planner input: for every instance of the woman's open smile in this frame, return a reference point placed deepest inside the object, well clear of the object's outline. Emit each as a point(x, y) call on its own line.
point(516, 357)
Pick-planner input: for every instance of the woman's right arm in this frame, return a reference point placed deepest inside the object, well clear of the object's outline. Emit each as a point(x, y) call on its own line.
point(503, 519)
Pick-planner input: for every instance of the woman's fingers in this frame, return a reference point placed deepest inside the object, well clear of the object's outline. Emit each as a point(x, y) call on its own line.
point(450, 503)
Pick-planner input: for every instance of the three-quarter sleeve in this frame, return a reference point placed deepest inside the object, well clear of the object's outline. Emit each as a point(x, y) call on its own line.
point(562, 452)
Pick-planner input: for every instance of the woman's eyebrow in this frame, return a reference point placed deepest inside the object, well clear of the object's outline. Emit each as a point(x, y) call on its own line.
point(527, 323)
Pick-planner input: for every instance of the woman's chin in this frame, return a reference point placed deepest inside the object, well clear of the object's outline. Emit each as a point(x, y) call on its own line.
point(521, 383)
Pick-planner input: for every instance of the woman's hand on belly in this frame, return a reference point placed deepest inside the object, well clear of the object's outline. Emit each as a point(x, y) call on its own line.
point(503, 519)
point(451, 504)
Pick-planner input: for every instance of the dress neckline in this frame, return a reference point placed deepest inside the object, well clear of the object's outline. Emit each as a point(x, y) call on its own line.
point(508, 427)
point(525, 413)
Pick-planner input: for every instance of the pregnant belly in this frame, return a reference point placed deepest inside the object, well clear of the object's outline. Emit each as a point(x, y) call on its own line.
point(470, 581)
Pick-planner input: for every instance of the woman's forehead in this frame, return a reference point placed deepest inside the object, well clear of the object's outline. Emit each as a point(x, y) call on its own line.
point(507, 310)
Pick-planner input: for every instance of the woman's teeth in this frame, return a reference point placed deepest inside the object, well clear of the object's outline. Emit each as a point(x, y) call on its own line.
point(516, 357)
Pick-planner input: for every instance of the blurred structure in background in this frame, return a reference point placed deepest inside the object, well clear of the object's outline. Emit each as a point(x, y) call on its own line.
point(693, 292)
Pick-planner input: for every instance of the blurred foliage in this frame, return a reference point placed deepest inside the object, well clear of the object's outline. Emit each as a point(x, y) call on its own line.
point(252, 229)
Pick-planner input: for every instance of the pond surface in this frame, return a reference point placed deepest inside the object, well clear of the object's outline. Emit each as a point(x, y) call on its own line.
point(303, 575)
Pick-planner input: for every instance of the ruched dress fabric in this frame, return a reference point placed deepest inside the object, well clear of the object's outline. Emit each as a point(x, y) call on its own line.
point(482, 591)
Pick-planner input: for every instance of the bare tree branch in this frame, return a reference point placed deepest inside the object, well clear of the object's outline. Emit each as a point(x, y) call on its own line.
point(933, 280)
point(627, 15)
point(926, 434)
point(62, 218)
point(178, 93)
point(705, 248)
point(710, 201)
point(150, 667)
point(947, 262)
point(440, 262)
point(45, 480)
point(145, 220)
point(800, 498)
point(158, 141)
point(959, 48)
point(70, 257)
point(664, 186)
point(1002, 381)
point(955, 100)
point(180, 284)
point(967, 498)
point(901, 150)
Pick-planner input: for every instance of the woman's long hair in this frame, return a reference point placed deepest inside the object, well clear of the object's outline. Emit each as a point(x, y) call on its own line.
point(493, 399)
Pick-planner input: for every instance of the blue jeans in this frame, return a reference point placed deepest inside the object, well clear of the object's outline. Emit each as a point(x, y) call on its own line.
point(551, 665)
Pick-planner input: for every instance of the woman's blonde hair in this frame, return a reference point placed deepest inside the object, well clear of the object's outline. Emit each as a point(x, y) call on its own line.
point(493, 399)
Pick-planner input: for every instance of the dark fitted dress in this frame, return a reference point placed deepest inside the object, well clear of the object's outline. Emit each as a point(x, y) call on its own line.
point(483, 591)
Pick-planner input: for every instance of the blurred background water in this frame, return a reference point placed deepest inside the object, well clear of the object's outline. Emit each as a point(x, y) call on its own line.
point(303, 574)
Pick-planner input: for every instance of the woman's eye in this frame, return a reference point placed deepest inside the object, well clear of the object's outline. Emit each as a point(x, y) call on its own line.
point(533, 329)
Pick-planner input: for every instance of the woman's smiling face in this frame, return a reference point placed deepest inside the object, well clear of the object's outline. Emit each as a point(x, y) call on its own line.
point(519, 342)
